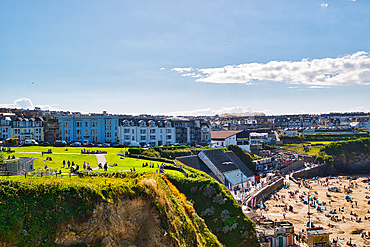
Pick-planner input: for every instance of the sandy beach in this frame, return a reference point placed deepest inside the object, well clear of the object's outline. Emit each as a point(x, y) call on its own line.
point(338, 216)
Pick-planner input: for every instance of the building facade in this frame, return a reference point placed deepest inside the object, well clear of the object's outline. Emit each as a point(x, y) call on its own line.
point(28, 129)
point(146, 132)
point(89, 129)
point(5, 127)
point(191, 131)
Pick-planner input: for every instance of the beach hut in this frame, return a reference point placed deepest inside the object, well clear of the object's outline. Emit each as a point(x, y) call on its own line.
point(318, 237)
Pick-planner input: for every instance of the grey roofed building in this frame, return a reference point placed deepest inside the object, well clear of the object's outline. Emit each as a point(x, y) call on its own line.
point(223, 166)
point(239, 164)
point(194, 162)
point(220, 160)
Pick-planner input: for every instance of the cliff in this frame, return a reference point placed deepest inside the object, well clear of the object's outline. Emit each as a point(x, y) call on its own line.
point(116, 209)
point(350, 157)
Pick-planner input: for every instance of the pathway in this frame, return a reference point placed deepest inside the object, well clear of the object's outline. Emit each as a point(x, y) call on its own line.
point(101, 158)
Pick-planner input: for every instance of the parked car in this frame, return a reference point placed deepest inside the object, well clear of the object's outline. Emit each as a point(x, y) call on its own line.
point(89, 144)
point(76, 144)
point(60, 143)
point(44, 144)
point(30, 142)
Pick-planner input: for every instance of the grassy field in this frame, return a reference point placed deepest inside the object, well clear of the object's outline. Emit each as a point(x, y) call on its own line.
point(40, 149)
point(319, 142)
point(74, 154)
point(299, 149)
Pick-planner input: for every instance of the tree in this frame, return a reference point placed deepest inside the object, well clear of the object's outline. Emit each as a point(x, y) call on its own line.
point(319, 159)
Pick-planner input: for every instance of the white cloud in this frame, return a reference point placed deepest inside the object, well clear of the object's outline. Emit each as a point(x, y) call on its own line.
point(211, 111)
point(325, 5)
point(352, 0)
point(357, 109)
point(163, 68)
point(352, 69)
point(26, 103)
point(182, 70)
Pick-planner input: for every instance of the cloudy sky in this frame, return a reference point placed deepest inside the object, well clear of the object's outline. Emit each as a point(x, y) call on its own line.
point(186, 57)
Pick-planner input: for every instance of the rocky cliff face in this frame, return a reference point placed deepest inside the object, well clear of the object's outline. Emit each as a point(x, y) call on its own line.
point(125, 223)
point(353, 163)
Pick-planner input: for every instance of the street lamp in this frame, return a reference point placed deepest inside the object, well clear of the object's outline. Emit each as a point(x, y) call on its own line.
point(308, 203)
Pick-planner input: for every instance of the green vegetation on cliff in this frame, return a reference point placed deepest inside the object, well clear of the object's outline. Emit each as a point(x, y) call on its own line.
point(34, 210)
point(223, 216)
point(345, 147)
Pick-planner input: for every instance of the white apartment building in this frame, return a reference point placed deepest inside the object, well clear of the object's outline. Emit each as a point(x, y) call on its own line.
point(147, 132)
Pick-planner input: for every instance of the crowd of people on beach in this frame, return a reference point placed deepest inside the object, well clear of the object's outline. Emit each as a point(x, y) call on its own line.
point(327, 204)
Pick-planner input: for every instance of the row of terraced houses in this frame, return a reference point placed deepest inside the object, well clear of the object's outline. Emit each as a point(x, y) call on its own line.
point(48, 126)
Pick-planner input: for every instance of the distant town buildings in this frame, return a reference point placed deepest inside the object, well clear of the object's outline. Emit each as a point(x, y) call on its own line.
point(248, 131)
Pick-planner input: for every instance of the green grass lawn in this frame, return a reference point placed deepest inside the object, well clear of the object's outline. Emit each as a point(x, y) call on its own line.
point(299, 149)
point(73, 154)
point(319, 142)
point(124, 164)
point(57, 160)
point(67, 149)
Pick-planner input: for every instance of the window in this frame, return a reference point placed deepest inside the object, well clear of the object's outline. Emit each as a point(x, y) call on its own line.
point(133, 138)
point(78, 124)
point(126, 131)
point(66, 124)
point(142, 131)
point(168, 137)
point(78, 132)
point(86, 132)
point(152, 131)
point(133, 131)
point(152, 137)
point(168, 130)
point(66, 132)
point(93, 124)
point(143, 138)
point(93, 131)
point(126, 137)
point(86, 124)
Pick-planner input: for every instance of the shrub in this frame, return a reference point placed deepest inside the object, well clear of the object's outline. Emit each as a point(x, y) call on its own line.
point(135, 150)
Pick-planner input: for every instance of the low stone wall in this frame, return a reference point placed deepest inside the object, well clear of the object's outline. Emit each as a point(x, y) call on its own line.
point(265, 192)
point(293, 166)
point(318, 171)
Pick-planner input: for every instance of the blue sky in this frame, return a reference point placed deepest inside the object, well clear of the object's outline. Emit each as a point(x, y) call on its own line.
point(186, 57)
